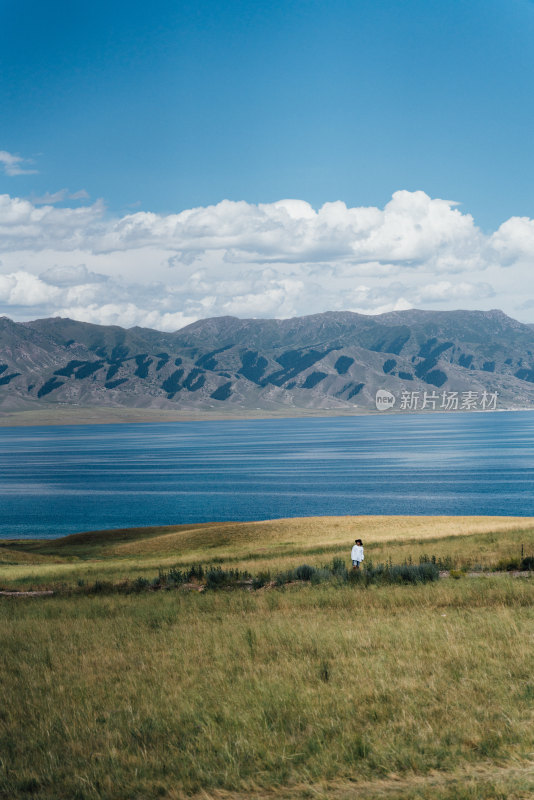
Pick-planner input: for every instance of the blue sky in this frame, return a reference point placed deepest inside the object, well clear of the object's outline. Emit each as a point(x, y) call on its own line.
point(176, 104)
point(169, 106)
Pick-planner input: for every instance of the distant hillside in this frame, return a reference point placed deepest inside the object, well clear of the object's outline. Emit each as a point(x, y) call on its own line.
point(335, 360)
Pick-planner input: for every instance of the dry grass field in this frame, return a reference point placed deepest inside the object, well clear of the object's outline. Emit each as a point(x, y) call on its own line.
point(272, 544)
point(302, 691)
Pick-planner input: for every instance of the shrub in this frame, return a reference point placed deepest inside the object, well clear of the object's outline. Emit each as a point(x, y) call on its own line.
point(174, 576)
point(140, 584)
point(507, 564)
point(218, 578)
point(195, 573)
point(283, 577)
point(261, 579)
point(420, 573)
point(339, 569)
point(395, 574)
point(320, 575)
point(100, 587)
point(527, 563)
point(456, 573)
point(304, 572)
point(445, 564)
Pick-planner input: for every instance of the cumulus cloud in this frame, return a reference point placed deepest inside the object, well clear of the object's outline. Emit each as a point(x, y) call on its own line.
point(514, 240)
point(277, 259)
point(23, 226)
point(411, 229)
point(15, 165)
point(24, 289)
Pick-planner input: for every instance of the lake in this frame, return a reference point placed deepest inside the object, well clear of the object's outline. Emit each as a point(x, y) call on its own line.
point(60, 480)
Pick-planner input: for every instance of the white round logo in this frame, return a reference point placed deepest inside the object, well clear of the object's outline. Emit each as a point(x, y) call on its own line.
point(384, 400)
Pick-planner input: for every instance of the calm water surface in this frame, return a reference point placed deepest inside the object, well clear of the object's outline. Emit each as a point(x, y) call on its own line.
point(59, 480)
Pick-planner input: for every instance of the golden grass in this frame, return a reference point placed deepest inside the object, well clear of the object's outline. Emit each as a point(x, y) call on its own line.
point(309, 532)
point(329, 691)
point(272, 545)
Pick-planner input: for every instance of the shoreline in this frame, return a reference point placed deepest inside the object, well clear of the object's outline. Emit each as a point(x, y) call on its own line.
point(110, 416)
point(96, 415)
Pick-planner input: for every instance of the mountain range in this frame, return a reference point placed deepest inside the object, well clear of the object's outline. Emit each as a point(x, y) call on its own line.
point(334, 360)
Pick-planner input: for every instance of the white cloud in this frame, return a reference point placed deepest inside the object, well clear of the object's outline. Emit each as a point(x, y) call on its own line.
point(402, 304)
point(411, 229)
point(50, 198)
point(14, 165)
point(24, 289)
point(126, 315)
point(71, 276)
point(276, 299)
point(278, 259)
point(514, 240)
point(23, 226)
point(446, 290)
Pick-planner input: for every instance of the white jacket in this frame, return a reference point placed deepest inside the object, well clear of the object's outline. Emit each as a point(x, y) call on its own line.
point(356, 554)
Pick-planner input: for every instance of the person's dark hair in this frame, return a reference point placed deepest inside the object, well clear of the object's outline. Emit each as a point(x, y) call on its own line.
point(359, 541)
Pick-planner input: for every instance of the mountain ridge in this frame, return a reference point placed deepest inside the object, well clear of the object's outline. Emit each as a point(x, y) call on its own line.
point(333, 360)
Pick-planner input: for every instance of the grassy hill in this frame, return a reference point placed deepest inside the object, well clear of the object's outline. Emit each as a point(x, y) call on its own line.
point(271, 544)
point(302, 691)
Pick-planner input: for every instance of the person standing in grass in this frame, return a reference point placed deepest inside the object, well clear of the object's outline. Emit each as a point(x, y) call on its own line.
point(356, 554)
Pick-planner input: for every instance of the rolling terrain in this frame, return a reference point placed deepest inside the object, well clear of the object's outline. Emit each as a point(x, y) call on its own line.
point(326, 690)
point(331, 362)
point(263, 545)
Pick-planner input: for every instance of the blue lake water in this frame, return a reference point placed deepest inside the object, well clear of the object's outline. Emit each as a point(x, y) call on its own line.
point(60, 480)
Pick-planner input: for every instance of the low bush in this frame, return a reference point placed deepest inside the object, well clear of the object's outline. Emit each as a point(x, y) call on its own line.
point(261, 579)
point(339, 569)
point(176, 577)
point(394, 574)
point(320, 575)
point(381, 573)
point(140, 584)
point(215, 576)
point(444, 564)
point(304, 572)
point(218, 578)
point(100, 587)
point(507, 565)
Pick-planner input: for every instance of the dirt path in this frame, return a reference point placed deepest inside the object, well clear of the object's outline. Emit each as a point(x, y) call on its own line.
point(44, 593)
point(194, 587)
point(515, 782)
point(516, 573)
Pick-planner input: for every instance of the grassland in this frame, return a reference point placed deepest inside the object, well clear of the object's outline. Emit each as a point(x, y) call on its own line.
point(328, 691)
point(254, 546)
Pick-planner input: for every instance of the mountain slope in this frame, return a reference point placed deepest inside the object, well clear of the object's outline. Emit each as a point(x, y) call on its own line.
point(324, 361)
